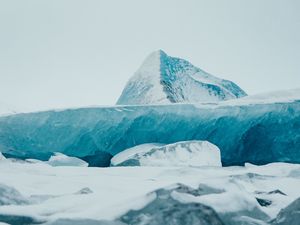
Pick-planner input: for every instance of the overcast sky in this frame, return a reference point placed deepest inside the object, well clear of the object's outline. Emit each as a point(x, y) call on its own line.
point(62, 53)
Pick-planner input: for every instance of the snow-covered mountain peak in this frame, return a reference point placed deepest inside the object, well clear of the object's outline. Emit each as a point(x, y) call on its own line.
point(163, 79)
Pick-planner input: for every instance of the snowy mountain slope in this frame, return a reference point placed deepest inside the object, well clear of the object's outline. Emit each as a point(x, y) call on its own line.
point(163, 79)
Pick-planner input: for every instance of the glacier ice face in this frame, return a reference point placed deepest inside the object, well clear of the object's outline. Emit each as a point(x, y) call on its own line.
point(252, 132)
point(186, 153)
point(164, 79)
point(98, 159)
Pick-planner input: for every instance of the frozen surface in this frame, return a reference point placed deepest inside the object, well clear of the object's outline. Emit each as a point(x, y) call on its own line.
point(163, 79)
point(10, 196)
point(6, 109)
point(2, 157)
point(266, 98)
point(59, 159)
point(133, 152)
point(92, 194)
point(289, 215)
point(245, 130)
point(185, 153)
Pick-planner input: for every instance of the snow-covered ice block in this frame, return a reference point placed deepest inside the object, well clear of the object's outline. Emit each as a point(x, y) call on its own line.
point(2, 157)
point(289, 215)
point(186, 153)
point(59, 159)
point(245, 130)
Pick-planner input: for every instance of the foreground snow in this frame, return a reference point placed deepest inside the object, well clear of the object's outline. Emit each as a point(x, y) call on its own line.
point(185, 153)
point(266, 98)
point(50, 193)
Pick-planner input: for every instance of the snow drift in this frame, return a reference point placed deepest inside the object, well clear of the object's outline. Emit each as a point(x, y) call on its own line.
point(59, 159)
point(186, 153)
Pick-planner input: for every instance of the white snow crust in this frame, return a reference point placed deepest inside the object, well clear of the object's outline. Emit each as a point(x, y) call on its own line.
point(115, 190)
point(185, 153)
point(60, 159)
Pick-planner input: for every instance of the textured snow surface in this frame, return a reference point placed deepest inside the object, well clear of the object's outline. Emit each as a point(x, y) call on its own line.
point(133, 152)
point(6, 109)
point(46, 194)
point(2, 158)
point(186, 153)
point(289, 215)
point(267, 98)
point(163, 79)
point(60, 159)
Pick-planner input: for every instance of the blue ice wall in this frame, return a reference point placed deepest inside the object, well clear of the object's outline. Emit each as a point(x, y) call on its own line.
point(258, 134)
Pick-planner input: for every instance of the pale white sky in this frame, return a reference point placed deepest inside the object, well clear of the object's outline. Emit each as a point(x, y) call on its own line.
point(62, 53)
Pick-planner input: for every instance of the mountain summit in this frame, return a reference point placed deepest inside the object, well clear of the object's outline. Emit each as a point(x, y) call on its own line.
point(164, 79)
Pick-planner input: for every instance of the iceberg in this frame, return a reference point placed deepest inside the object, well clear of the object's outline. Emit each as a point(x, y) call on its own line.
point(163, 79)
point(186, 153)
point(255, 130)
point(98, 159)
